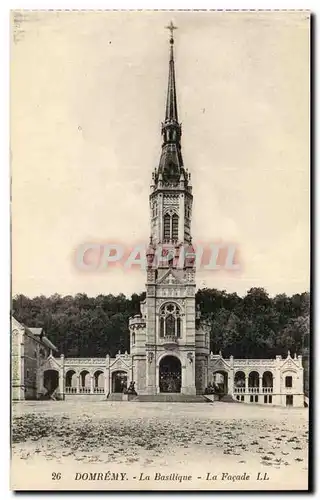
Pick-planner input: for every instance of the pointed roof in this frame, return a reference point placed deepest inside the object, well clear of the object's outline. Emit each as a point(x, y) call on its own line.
point(171, 170)
point(171, 107)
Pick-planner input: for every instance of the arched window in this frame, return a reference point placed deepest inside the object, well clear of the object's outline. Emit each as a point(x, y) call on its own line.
point(154, 209)
point(162, 326)
point(167, 227)
point(178, 319)
point(71, 378)
point(170, 321)
point(170, 325)
point(175, 226)
point(170, 227)
point(98, 380)
point(85, 379)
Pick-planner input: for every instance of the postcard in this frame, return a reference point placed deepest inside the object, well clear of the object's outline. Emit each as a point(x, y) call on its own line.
point(160, 250)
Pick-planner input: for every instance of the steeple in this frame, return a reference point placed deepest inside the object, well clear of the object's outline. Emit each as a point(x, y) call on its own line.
point(170, 189)
point(171, 163)
point(171, 108)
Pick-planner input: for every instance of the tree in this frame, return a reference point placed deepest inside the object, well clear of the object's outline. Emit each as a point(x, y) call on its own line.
point(255, 326)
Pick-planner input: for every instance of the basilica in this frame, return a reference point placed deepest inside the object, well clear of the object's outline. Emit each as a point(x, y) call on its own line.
point(169, 349)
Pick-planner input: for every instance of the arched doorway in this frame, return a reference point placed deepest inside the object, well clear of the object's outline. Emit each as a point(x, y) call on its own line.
point(267, 382)
point(84, 382)
point(50, 381)
point(170, 374)
point(71, 382)
point(119, 381)
point(220, 381)
point(253, 381)
point(98, 382)
point(239, 381)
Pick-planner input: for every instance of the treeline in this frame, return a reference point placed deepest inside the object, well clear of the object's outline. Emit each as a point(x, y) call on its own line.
point(255, 325)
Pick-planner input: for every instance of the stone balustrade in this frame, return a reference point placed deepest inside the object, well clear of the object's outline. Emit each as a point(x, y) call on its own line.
point(169, 339)
point(84, 361)
point(253, 390)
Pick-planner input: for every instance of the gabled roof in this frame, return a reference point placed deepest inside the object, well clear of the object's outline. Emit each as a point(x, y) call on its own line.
point(169, 278)
point(15, 325)
point(37, 333)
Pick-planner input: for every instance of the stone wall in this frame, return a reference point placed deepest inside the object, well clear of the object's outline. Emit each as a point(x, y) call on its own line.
point(27, 353)
point(17, 372)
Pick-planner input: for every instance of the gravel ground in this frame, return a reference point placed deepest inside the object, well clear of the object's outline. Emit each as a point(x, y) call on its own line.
point(149, 438)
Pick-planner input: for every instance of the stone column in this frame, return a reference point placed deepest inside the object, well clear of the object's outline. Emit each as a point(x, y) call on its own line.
point(91, 384)
point(277, 398)
point(158, 379)
point(61, 377)
point(151, 372)
point(78, 384)
point(106, 382)
point(107, 389)
point(230, 382)
point(231, 375)
point(246, 383)
point(260, 384)
point(184, 381)
point(277, 381)
point(206, 372)
point(61, 383)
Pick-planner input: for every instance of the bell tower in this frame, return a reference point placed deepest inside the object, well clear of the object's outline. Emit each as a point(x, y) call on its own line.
point(176, 356)
point(171, 190)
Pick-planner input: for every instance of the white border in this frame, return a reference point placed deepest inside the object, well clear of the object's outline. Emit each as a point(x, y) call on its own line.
point(5, 6)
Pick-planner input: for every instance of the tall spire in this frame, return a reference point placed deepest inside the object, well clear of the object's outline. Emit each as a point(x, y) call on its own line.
point(171, 163)
point(171, 108)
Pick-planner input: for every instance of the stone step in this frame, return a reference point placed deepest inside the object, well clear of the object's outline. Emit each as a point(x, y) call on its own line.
point(170, 398)
point(227, 398)
point(116, 396)
point(85, 397)
point(211, 397)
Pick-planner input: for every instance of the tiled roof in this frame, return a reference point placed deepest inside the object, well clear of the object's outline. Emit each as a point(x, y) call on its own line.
point(36, 333)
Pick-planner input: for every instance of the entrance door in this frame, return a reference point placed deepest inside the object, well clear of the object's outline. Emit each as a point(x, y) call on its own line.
point(119, 381)
point(50, 381)
point(220, 382)
point(289, 399)
point(170, 374)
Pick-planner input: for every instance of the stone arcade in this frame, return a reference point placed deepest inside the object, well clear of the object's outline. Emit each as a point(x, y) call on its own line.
point(169, 352)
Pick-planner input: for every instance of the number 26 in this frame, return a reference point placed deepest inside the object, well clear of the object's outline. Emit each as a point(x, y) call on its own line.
point(56, 476)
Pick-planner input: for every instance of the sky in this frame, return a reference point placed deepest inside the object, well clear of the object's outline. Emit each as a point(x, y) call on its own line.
point(88, 93)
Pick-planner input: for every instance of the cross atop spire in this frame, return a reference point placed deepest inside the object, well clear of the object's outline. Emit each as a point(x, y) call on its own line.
point(171, 107)
point(171, 28)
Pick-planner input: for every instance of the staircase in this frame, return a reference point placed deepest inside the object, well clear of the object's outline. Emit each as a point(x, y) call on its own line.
point(51, 394)
point(228, 398)
point(116, 396)
point(169, 398)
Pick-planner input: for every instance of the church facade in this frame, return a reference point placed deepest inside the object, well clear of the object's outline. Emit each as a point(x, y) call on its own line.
point(169, 351)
